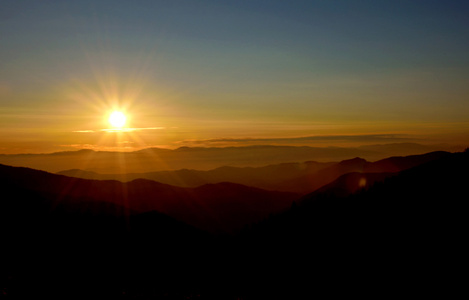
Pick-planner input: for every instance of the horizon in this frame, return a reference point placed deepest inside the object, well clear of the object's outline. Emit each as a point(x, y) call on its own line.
point(443, 146)
point(210, 158)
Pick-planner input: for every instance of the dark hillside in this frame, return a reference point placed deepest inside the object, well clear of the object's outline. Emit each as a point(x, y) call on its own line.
point(405, 233)
point(218, 207)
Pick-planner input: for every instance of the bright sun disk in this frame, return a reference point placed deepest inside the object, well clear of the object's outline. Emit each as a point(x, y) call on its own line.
point(117, 119)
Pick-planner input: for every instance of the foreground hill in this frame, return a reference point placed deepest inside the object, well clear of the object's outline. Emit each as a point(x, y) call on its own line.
point(289, 177)
point(403, 234)
point(431, 196)
point(222, 207)
point(350, 183)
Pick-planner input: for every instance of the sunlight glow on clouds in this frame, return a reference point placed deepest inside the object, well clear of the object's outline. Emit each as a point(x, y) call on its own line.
point(119, 130)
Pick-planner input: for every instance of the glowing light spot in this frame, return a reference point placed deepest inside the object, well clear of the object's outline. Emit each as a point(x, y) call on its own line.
point(117, 119)
point(362, 182)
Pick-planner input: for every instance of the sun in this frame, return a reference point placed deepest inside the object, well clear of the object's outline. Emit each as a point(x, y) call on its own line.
point(117, 119)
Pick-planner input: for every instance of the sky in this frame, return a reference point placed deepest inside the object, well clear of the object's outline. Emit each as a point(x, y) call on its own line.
point(232, 73)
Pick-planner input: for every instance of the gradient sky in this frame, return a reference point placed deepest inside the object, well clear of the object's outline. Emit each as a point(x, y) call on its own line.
point(194, 72)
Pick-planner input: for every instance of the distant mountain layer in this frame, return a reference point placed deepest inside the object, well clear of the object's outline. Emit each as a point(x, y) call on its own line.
point(300, 178)
point(154, 159)
point(222, 207)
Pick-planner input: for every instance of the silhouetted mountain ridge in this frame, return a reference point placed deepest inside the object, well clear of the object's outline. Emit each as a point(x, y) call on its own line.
point(430, 194)
point(289, 177)
point(210, 207)
point(350, 183)
point(310, 182)
point(404, 232)
point(200, 158)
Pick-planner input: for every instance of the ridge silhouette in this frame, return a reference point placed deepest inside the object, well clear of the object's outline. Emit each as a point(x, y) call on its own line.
point(155, 159)
point(221, 207)
point(403, 234)
point(299, 178)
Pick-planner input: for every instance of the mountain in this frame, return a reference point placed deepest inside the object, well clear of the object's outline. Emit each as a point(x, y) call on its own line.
point(310, 182)
point(266, 177)
point(70, 237)
point(399, 149)
point(155, 159)
point(300, 178)
point(430, 192)
point(400, 163)
point(415, 205)
point(403, 234)
point(222, 207)
point(350, 183)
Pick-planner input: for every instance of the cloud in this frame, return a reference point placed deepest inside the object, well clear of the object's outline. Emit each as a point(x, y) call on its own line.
point(315, 141)
point(366, 138)
point(131, 129)
point(119, 130)
point(103, 148)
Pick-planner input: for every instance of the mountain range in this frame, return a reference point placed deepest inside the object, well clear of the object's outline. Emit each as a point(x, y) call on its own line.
point(218, 207)
point(368, 232)
point(198, 158)
point(299, 178)
point(404, 234)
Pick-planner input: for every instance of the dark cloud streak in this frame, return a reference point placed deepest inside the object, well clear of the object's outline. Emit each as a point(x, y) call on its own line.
point(367, 138)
